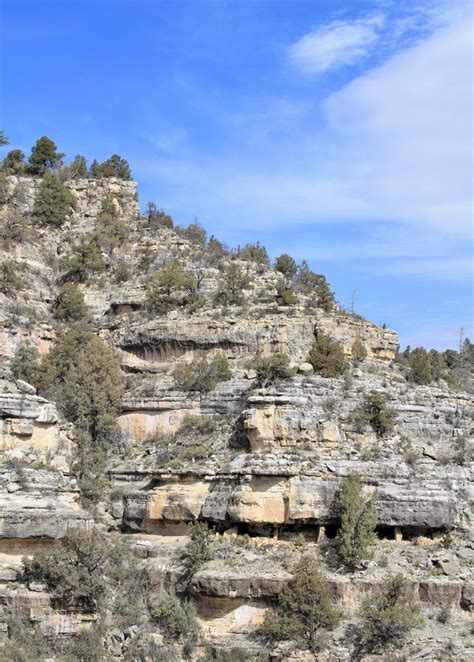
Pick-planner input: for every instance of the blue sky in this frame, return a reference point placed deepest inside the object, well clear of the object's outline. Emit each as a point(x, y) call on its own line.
point(337, 131)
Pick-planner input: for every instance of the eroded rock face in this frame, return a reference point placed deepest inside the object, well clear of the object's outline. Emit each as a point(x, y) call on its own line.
point(270, 467)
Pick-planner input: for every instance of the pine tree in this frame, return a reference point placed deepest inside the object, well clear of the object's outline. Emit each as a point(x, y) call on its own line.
point(44, 156)
point(327, 356)
point(54, 203)
point(78, 168)
point(357, 515)
point(304, 609)
point(14, 162)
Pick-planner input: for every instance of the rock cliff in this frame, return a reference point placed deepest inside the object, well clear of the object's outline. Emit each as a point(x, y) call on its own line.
point(263, 469)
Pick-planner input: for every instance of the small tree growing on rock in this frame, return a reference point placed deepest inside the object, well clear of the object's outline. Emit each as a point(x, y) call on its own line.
point(10, 281)
point(14, 163)
point(305, 609)
point(44, 156)
point(272, 369)
point(388, 614)
point(356, 534)
point(234, 280)
point(69, 305)
point(375, 411)
point(287, 266)
point(54, 203)
point(25, 363)
point(327, 356)
point(202, 374)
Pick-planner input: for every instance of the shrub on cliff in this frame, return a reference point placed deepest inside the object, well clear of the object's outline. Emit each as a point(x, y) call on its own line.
point(78, 168)
point(375, 411)
point(44, 156)
point(286, 296)
point(198, 549)
point(14, 163)
point(388, 614)
point(74, 571)
point(24, 363)
point(315, 285)
point(202, 374)
point(420, 365)
point(85, 260)
point(115, 166)
point(327, 356)
point(356, 533)
point(69, 305)
point(82, 375)
point(157, 217)
point(254, 253)
point(10, 281)
point(234, 281)
point(176, 618)
point(287, 266)
point(110, 229)
point(171, 285)
point(304, 609)
point(358, 350)
point(25, 641)
point(272, 369)
point(195, 233)
point(54, 203)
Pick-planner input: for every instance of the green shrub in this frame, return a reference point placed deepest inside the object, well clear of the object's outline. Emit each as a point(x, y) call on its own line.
point(420, 366)
point(69, 305)
point(327, 356)
point(78, 168)
point(201, 374)
point(287, 266)
point(304, 608)
point(86, 259)
point(44, 156)
point(14, 163)
point(85, 646)
point(195, 233)
point(170, 285)
point(201, 425)
point(215, 251)
point(122, 272)
point(254, 253)
point(286, 296)
point(25, 641)
point(356, 534)
point(388, 614)
point(10, 281)
point(73, 571)
point(312, 284)
point(376, 412)
point(82, 375)
point(197, 452)
point(234, 281)
point(176, 619)
point(199, 549)
point(110, 229)
point(115, 166)
point(24, 364)
point(358, 351)
point(54, 203)
point(272, 369)
point(15, 229)
point(157, 218)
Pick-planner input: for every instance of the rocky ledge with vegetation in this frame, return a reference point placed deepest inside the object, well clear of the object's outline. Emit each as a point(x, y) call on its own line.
point(203, 455)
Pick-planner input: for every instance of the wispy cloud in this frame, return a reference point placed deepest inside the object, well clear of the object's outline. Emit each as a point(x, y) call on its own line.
point(392, 148)
point(336, 44)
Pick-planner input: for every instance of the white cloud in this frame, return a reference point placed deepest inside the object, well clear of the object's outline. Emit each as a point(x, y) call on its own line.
point(394, 147)
point(336, 44)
